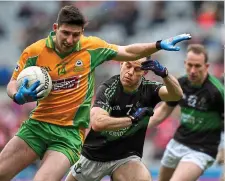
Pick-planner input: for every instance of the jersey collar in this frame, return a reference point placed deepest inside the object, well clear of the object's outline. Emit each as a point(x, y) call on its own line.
point(50, 44)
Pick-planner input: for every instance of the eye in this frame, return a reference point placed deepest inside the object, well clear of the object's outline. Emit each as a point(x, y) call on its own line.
point(66, 33)
point(138, 69)
point(76, 35)
point(128, 65)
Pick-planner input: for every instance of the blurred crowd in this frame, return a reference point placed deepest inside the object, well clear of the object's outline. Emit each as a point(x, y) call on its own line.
point(120, 22)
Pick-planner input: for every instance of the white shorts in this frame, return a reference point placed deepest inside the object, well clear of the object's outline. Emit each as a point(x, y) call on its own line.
point(176, 152)
point(88, 170)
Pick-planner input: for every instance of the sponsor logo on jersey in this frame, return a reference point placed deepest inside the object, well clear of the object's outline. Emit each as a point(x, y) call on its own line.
point(63, 84)
point(116, 108)
point(48, 69)
point(79, 66)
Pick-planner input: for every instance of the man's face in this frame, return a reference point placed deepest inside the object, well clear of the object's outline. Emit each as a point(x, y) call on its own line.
point(131, 73)
point(67, 36)
point(196, 68)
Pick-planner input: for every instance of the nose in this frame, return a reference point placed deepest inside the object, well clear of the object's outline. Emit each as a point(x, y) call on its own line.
point(193, 70)
point(131, 71)
point(70, 40)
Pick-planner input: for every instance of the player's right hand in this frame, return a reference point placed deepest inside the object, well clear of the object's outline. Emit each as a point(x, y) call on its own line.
point(25, 94)
point(141, 113)
point(169, 44)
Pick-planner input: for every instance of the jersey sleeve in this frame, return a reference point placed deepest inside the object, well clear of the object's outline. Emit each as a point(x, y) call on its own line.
point(20, 64)
point(101, 51)
point(102, 99)
point(220, 102)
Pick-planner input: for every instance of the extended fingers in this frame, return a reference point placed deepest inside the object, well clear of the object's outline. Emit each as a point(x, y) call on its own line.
point(181, 37)
point(34, 85)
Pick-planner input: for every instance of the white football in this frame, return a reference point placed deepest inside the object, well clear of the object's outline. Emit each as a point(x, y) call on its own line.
point(33, 74)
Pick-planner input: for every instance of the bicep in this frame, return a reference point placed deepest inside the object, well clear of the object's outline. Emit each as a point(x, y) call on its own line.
point(163, 94)
point(123, 55)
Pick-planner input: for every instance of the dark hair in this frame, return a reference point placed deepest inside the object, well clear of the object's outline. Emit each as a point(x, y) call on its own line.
point(198, 49)
point(71, 15)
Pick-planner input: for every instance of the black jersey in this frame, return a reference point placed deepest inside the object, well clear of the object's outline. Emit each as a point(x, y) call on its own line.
point(112, 145)
point(202, 114)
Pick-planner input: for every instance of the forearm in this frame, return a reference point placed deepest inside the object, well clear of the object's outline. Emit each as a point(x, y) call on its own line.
point(106, 123)
point(160, 114)
point(173, 87)
point(141, 50)
point(12, 88)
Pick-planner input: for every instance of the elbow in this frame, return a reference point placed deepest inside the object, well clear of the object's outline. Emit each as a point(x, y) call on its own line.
point(96, 126)
point(178, 96)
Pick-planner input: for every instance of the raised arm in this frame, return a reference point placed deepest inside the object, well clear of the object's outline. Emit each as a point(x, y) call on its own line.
point(172, 90)
point(141, 50)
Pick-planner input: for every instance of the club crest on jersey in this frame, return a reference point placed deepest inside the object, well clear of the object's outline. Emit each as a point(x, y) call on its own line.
point(79, 66)
point(17, 68)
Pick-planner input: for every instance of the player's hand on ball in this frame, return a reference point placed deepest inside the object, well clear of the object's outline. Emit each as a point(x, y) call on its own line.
point(141, 113)
point(169, 44)
point(30, 94)
point(156, 67)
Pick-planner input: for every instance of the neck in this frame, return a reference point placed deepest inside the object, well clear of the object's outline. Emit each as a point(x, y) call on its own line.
point(197, 84)
point(56, 45)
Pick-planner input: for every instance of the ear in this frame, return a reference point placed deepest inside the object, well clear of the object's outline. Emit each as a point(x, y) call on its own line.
point(207, 65)
point(55, 27)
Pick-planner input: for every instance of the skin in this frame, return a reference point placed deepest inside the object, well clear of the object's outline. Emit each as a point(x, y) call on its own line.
point(130, 74)
point(196, 68)
point(67, 36)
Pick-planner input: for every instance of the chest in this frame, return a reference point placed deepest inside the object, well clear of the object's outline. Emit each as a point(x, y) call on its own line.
point(200, 100)
point(74, 65)
point(125, 104)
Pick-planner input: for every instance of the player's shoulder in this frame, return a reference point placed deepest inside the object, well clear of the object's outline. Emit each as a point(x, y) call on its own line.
point(35, 48)
point(92, 42)
point(109, 86)
point(182, 79)
point(147, 83)
point(112, 82)
point(214, 85)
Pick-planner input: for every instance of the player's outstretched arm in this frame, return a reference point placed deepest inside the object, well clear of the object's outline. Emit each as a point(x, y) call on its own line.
point(160, 114)
point(141, 50)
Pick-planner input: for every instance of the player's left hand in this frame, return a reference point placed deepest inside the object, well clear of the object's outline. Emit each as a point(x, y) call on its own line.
point(140, 113)
point(169, 44)
point(156, 67)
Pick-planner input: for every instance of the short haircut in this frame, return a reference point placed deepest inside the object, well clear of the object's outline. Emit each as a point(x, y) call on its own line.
point(198, 49)
point(71, 15)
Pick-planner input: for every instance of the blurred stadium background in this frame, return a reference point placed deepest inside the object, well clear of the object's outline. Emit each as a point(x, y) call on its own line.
point(120, 22)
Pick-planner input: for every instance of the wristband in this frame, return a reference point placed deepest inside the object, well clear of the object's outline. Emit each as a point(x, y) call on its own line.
point(158, 46)
point(14, 98)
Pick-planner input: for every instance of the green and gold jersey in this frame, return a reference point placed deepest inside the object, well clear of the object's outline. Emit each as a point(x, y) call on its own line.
point(72, 76)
